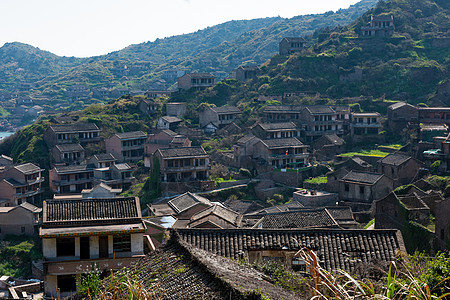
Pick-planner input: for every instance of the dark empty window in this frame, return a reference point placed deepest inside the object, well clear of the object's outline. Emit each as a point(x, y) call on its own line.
point(67, 283)
point(347, 187)
point(65, 247)
point(22, 229)
point(122, 243)
point(442, 234)
point(298, 264)
point(361, 190)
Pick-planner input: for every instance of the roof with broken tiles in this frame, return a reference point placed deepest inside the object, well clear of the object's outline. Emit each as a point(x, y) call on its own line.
point(185, 272)
point(336, 248)
point(305, 218)
point(182, 152)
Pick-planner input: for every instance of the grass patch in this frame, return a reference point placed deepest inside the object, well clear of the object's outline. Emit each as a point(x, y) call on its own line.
point(317, 180)
point(371, 222)
point(373, 152)
point(393, 146)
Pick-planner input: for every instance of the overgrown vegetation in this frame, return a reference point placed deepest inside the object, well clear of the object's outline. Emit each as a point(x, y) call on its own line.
point(16, 255)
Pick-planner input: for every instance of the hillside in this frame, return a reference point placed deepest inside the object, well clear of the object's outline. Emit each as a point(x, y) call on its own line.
point(406, 66)
point(27, 71)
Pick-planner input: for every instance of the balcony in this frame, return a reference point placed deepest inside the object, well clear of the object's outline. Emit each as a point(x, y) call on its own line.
point(323, 132)
point(84, 266)
point(365, 125)
point(28, 193)
point(72, 181)
point(290, 155)
point(36, 180)
point(186, 169)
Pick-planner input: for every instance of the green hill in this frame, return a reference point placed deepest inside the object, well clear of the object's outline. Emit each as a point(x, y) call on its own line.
point(46, 78)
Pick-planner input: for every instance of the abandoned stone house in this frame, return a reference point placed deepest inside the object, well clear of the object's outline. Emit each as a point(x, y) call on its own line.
point(244, 73)
point(366, 125)
point(183, 164)
point(19, 220)
point(401, 168)
point(243, 150)
point(72, 133)
point(281, 153)
point(127, 146)
point(69, 154)
point(328, 146)
point(267, 131)
point(79, 233)
point(434, 115)
point(282, 113)
point(168, 122)
point(389, 211)
point(182, 207)
point(401, 114)
point(218, 116)
point(290, 45)
point(364, 187)
point(381, 26)
point(197, 81)
point(20, 183)
point(319, 120)
point(216, 216)
point(175, 109)
point(149, 107)
point(163, 139)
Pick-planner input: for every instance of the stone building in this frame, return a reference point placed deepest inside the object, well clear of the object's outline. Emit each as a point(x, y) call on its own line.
point(276, 130)
point(196, 81)
point(401, 168)
point(364, 187)
point(77, 234)
point(127, 146)
point(218, 116)
point(183, 164)
point(290, 45)
point(72, 133)
point(244, 73)
point(18, 220)
point(20, 183)
point(400, 115)
point(69, 154)
point(381, 26)
point(282, 153)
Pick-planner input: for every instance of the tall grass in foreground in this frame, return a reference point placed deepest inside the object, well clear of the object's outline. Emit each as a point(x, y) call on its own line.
point(399, 283)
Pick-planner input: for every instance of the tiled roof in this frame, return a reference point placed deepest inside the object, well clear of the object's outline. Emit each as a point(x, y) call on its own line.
point(182, 152)
point(91, 210)
point(14, 182)
point(281, 143)
point(249, 68)
point(295, 39)
point(220, 211)
point(226, 110)
point(360, 161)
point(169, 132)
point(187, 200)
point(104, 157)
point(340, 213)
point(200, 75)
point(185, 272)
point(293, 205)
point(131, 135)
point(72, 168)
point(171, 119)
point(122, 166)
point(31, 207)
point(305, 218)
point(334, 139)
point(319, 109)
point(245, 139)
point(75, 127)
point(372, 114)
point(278, 126)
point(69, 147)
point(362, 177)
point(28, 168)
point(283, 108)
point(394, 159)
point(242, 206)
point(336, 249)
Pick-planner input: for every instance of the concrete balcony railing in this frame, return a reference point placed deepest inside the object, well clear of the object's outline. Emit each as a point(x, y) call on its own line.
point(28, 193)
point(72, 181)
point(85, 265)
point(186, 168)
